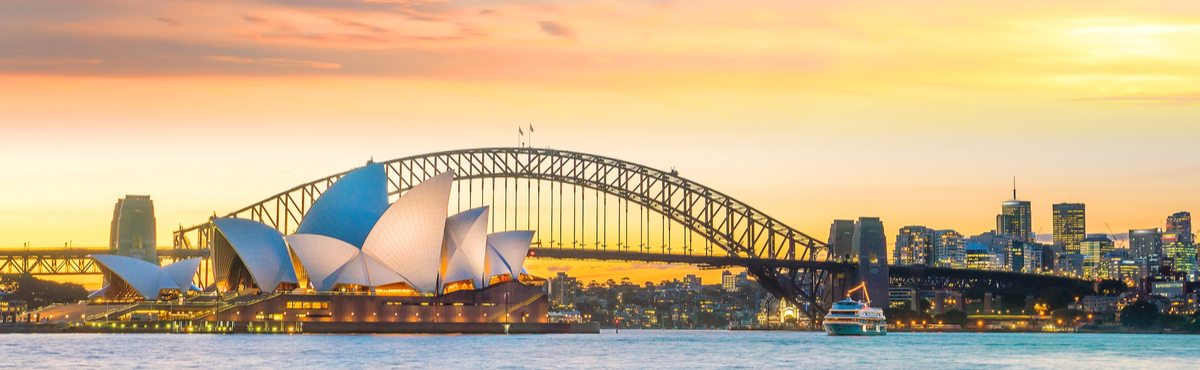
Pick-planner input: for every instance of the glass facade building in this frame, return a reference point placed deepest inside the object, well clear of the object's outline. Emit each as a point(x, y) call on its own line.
point(1069, 226)
point(1015, 220)
point(1094, 247)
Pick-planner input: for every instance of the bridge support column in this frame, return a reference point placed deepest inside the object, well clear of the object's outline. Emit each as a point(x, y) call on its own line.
point(870, 248)
point(987, 303)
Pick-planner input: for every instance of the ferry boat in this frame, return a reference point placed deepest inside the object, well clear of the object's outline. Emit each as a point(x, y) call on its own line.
point(854, 317)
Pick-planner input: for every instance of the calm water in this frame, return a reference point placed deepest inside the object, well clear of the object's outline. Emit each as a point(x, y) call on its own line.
point(629, 349)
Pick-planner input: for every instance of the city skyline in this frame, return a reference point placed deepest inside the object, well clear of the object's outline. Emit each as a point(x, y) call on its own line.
point(801, 116)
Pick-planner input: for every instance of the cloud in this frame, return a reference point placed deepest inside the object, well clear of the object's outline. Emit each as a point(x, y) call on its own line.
point(169, 21)
point(558, 268)
point(1184, 98)
point(254, 19)
point(556, 29)
point(359, 25)
point(277, 62)
point(48, 61)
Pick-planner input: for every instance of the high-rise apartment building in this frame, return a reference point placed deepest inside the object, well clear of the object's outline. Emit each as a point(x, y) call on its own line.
point(914, 244)
point(949, 249)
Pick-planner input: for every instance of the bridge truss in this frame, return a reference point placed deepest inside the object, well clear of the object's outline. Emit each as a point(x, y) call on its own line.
point(75, 261)
point(578, 201)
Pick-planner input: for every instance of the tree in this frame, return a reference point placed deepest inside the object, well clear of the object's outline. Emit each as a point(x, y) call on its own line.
point(1173, 322)
point(904, 316)
point(37, 292)
point(1140, 314)
point(1057, 297)
point(1111, 287)
point(953, 317)
point(1067, 315)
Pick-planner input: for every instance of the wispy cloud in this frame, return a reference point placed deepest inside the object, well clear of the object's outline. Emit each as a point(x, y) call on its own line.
point(48, 61)
point(359, 25)
point(169, 21)
point(556, 29)
point(1184, 98)
point(278, 62)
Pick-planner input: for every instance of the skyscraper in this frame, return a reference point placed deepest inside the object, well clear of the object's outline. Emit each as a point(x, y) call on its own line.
point(870, 247)
point(1014, 219)
point(913, 245)
point(1145, 246)
point(1094, 247)
point(949, 249)
point(1177, 254)
point(841, 238)
point(1180, 224)
point(132, 231)
point(1069, 226)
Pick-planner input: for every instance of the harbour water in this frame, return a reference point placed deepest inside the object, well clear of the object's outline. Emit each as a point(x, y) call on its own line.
point(628, 349)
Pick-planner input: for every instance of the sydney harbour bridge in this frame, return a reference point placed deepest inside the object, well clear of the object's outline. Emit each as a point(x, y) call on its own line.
point(591, 207)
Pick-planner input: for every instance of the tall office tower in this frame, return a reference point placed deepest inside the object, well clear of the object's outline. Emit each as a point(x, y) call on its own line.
point(1069, 226)
point(1014, 219)
point(1179, 255)
point(1094, 247)
point(1180, 223)
point(841, 238)
point(913, 245)
point(1145, 246)
point(949, 249)
point(870, 247)
point(132, 230)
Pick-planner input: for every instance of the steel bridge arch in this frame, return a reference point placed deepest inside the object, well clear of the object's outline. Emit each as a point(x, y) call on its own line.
point(738, 229)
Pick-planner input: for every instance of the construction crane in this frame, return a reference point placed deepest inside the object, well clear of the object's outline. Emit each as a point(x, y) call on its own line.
point(1120, 244)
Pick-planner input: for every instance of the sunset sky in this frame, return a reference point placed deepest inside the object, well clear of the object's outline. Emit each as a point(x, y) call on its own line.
point(919, 112)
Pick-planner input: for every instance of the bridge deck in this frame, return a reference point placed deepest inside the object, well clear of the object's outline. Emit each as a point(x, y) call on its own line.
point(710, 261)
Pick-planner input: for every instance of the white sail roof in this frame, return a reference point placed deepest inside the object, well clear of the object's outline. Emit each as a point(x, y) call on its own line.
point(147, 278)
point(464, 247)
point(350, 207)
point(321, 257)
point(506, 252)
point(366, 271)
point(261, 248)
point(180, 273)
point(408, 237)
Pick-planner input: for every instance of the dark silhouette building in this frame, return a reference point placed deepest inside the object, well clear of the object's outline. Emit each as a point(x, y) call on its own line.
point(132, 232)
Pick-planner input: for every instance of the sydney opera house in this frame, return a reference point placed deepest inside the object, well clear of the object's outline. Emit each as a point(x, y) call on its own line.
point(355, 264)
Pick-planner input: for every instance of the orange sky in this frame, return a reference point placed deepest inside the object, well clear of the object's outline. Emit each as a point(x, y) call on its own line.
point(919, 112)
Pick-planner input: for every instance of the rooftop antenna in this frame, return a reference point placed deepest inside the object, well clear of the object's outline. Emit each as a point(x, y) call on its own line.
point(1014, 188)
